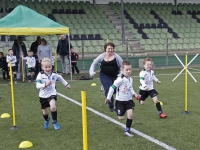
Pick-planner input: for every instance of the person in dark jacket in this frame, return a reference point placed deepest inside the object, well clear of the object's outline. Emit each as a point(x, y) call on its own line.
point(19, 49)
point(4, 66)
point(63, 50)
point(34, 48)
point(34, 45)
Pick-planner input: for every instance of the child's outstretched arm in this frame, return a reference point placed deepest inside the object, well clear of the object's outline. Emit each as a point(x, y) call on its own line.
point(156, 79)
point(112, 88)
point(133, 92)
point(65, 83)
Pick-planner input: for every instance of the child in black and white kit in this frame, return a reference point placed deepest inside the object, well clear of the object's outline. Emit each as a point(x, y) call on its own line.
point(146, 86)
point(46, 82)
point(124, 96)
point(30, 61)
point(11, 58)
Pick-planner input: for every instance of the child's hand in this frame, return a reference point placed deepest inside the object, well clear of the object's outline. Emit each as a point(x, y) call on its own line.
point(146, 88)
point(159, 82)
point(68, 86)
point(92, 74)
point(48, 83)
point(135, 95)
point(107, 101)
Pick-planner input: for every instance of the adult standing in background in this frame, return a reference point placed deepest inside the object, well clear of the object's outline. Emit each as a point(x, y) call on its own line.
point(110, 65)
point(34, 45)
point(63, 50)
point(19, 49)
point(33, 48)
point(44, 50)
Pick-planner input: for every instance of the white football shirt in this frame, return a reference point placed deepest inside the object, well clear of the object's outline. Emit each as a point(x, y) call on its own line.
point(124, 88)
point(146, 79)
point(43, 78)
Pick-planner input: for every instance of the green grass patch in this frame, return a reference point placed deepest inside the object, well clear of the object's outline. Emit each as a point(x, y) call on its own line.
point(178, 130)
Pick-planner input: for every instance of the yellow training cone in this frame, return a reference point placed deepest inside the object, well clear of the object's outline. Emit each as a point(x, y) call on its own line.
point(25, 144)
point(93, 84)
point(5, 115)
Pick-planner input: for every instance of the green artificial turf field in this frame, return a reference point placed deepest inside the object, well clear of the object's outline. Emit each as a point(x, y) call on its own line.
point(177, 130)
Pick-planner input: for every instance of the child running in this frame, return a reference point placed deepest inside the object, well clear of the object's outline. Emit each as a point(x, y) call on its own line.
point(11, 58)
point(46, 82)
point(124, 94)
point(146, 86)
point(30, 61)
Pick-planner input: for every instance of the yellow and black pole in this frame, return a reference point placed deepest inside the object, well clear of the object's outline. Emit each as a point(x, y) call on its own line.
point(186, 84)
point(84, 120)
point(13, 99)
point(56, 62)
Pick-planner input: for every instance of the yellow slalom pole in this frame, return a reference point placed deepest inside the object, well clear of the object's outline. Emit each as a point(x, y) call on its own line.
point(56, 62)
point(107, 41)
point(84, 120)
point(186, 83)
point(22, 68)
point(12, 94)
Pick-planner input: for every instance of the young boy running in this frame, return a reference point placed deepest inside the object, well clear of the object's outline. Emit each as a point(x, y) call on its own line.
point(124, 94)
point(30, 61)
point(146, 86)
point(46, 82)
point(11, 58)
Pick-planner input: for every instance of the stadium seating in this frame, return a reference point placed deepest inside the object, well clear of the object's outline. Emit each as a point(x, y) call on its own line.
point(156, 26)
point(162, 23)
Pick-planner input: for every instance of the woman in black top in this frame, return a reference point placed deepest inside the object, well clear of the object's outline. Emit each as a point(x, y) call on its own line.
point(110, 67)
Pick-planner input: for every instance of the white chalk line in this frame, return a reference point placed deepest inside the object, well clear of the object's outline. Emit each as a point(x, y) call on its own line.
point(122, 125)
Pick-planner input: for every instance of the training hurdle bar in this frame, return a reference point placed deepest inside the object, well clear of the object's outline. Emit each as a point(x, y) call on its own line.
point(185, 67)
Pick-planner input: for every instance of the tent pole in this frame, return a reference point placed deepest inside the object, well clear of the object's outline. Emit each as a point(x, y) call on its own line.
point(4, 14)
point(69, 58)
point(122, 20)
point(4, 8)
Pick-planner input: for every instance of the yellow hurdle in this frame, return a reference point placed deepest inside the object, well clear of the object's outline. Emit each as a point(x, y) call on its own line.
point(84, 120)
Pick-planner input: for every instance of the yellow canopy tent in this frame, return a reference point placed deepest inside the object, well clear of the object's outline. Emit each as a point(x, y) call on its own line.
point(25, 21)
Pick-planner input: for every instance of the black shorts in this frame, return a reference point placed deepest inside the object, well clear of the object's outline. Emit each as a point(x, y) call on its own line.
point(144, 94)
point(123, 106)
point(45, 101)
point(31, 69)
point(13, 68)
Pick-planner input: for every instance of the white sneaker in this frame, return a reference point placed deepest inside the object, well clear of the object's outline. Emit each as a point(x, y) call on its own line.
point(129, 134)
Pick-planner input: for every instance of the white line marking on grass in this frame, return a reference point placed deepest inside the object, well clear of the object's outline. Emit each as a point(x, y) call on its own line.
point(122, 125)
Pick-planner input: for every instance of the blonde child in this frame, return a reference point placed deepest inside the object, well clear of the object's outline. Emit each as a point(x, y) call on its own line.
point(124, 94)
point(146, 86)
point(46, 82)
